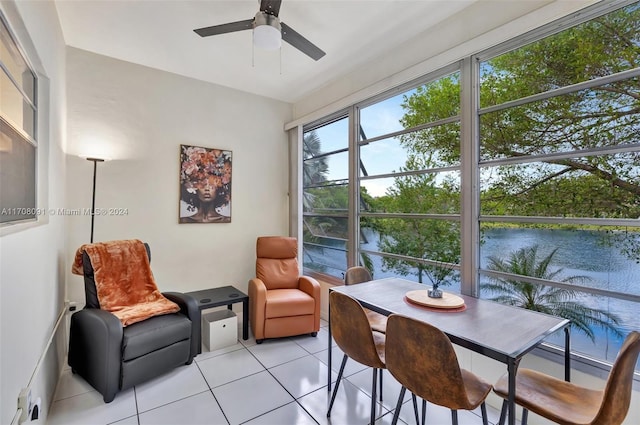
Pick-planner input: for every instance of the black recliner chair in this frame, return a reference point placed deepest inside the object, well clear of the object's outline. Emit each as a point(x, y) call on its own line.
point(113, 358)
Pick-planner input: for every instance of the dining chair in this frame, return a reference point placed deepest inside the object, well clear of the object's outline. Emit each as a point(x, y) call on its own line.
point(569, 404)
point(421, 357)
point(359, 274)
point(353, 335)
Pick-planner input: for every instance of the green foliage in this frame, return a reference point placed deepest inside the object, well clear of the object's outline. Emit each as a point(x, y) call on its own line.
point(545, 299)
point(606, 116)
point(421, 238)
point(582, 185)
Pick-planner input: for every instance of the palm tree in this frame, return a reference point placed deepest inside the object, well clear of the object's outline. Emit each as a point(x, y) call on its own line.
point(546, 299)
point(312, 171)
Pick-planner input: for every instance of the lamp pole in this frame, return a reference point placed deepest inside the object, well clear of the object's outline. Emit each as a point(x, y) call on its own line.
point(93, 199)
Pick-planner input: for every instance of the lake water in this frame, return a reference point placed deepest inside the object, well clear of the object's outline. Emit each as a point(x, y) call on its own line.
point(581, 253)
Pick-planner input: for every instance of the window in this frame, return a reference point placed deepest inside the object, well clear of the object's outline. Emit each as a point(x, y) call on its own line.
point(560, 178)
point(409, 183)
point(532, 198)
point(325, 197)
point(17, 132)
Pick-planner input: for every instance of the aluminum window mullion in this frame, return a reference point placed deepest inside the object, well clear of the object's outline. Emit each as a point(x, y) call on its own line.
point(411, 173)
point(19, 130)
point(325, 214)
point(470, 177)
point(409, 85)
point(325, 154)
point(328, 183)
point(605, 150)
point(449, 217)
point(412, 259)
point(326, 120)
point(353, 222)
point(624, 222)
point(443, 121)
point(596, 82)
point(556, 284)
point(26, 97)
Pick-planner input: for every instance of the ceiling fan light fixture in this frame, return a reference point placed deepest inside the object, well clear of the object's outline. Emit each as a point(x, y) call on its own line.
point(267, 33)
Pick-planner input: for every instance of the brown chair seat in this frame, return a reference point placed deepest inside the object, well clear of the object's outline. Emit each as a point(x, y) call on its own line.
point(377, 321)
point(566, 403)
point(556, 400)
point(359, 274)
point(288, 302)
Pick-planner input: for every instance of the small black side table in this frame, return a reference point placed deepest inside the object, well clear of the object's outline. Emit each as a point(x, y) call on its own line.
point(224, 295)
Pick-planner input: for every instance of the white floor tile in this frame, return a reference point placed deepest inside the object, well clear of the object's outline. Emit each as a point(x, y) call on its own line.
point(301, 376)
point(441, 415)
point(390, 387)
point(249, 342)
point(206, 354)
point(351, 406)
point(273, 352)
point(351, 367)
point(181, 382)
point(243, 392)
point(70, 385)
point(132, 420)
point(290, 414)
point(198, 409)
point(90, 408)
point(313, 345)
point(250, 397)
point(228, 367)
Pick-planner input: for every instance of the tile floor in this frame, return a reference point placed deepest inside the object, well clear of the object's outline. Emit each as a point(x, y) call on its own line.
point(278, 382)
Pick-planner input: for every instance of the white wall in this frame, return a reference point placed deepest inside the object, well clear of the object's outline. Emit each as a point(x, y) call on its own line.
point(483, 25)
point(32, 257)
point(139, 116)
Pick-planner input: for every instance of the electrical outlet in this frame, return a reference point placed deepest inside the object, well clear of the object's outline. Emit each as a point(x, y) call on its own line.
point(70, 306)
point(24, 403)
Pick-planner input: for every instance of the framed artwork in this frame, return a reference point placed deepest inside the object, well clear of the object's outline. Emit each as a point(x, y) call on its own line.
point(205, 185)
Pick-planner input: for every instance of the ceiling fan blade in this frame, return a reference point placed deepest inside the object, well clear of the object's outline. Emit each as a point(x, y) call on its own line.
point(272, 7)
point(300, 43)
point(225, 28)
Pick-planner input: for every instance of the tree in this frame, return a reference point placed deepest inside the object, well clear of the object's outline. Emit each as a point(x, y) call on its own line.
point(605, 116)
point(421, 238)
point(315, 171)
point(546, 299)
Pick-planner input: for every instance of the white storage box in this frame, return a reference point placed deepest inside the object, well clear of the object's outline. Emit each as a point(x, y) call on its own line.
point(219, 329)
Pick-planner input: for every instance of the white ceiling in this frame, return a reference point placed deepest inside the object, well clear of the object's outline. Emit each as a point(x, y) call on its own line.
point(159, 34)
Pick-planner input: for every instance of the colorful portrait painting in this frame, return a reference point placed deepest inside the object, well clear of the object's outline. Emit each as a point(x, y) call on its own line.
point(205, 185)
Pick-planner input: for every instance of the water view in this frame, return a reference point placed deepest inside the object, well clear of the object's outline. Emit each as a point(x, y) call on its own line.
point(580, 253)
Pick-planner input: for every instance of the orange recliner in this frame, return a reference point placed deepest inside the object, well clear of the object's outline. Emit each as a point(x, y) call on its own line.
point(281, 302)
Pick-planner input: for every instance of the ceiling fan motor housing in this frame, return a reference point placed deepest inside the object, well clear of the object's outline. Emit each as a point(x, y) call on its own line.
point(267, 31)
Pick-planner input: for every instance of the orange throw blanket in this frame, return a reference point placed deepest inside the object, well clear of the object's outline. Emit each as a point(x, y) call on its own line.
point(124, 282)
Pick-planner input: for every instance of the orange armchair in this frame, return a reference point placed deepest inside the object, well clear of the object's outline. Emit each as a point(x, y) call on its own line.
point(281, 302)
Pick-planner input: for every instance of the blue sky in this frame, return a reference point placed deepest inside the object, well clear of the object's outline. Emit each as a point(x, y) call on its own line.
point(380, 157)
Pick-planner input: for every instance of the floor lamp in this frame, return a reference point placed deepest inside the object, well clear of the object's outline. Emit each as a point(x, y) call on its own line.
point(93, 198)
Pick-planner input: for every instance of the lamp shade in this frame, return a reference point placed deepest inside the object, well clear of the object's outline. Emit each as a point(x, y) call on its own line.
point(266, 32)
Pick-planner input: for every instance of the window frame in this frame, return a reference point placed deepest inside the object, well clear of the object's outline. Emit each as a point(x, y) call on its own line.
point(34, 140)
point(471, 163)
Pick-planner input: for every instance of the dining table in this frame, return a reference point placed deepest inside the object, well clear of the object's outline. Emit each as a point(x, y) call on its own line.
point(502, 332)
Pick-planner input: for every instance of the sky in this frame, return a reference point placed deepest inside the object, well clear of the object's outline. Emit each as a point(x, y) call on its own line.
point(381, 157)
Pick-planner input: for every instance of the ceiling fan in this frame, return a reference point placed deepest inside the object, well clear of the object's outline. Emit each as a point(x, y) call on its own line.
point(268, 31)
